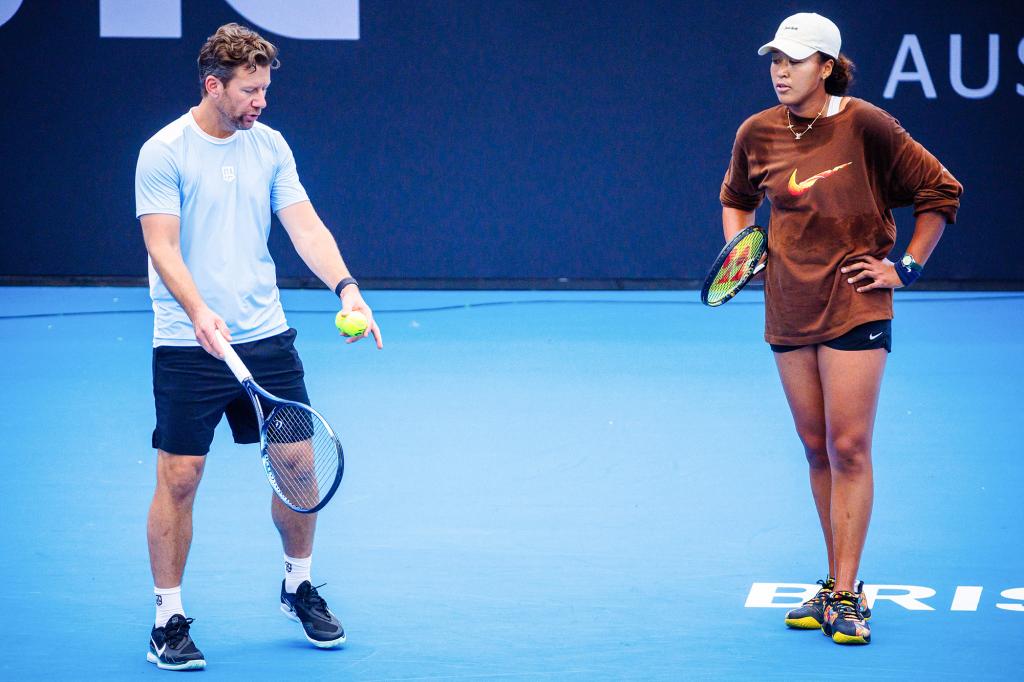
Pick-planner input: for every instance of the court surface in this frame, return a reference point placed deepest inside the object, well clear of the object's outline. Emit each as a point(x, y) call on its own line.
point(539, 486)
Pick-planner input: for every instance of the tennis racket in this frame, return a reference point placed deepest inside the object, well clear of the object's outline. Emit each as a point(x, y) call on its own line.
point(302, 457)
point(741, 259)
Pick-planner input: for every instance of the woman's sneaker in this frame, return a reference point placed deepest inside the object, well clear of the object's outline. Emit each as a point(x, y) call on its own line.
point(171, 647)
point(811, 614)
point(846, 616)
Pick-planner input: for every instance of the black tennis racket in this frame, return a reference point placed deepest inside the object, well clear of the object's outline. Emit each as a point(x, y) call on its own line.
point(301, 454)
point(741, 259)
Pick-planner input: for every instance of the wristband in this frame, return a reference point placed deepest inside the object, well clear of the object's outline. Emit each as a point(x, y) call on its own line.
point(344, 283)
point(908, 270)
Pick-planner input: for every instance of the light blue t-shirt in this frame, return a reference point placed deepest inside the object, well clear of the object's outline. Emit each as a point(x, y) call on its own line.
point(223, 191)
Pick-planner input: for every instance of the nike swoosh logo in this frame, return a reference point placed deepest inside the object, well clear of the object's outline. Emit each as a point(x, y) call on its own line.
point(872, 337)
point(798, 188)
point(159, 649)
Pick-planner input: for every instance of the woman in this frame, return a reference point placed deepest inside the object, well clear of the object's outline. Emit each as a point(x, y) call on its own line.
point(833, 167)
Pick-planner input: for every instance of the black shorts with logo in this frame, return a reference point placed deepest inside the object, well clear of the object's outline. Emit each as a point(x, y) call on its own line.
point(193, 390)
point(868, 336)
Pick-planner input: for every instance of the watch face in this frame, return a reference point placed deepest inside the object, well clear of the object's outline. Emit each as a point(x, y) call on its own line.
point(907, 260)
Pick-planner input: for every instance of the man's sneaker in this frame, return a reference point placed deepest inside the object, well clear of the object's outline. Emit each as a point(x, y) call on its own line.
point(846, 616)
point(306, 606)
point(171, 647)
point(811, 614)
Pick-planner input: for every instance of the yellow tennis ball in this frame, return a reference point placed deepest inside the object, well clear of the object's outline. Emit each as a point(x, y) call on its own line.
point(352, 324)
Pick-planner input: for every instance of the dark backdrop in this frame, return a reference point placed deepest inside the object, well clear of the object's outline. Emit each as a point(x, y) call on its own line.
point(527, 140)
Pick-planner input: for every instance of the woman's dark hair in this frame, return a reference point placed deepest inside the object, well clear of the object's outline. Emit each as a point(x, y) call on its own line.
point(839, 82)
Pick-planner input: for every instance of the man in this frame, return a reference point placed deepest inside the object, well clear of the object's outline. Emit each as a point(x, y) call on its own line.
point(205, 187)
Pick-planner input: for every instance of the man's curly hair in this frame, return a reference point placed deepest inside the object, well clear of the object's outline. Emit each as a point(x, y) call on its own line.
point(234, 45)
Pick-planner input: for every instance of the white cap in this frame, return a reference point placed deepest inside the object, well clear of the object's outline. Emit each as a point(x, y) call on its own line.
point(801, 35)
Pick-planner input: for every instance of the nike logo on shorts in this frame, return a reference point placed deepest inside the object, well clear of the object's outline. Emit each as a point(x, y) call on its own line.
point(872, 337)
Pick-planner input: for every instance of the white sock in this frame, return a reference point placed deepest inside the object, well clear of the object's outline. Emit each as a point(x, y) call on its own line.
point(295, 571)
point(168, 603)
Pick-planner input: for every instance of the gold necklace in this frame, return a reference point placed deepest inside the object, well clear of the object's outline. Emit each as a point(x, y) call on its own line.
point(809, 125)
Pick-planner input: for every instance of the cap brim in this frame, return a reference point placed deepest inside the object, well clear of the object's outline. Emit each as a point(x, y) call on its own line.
point(789, 48)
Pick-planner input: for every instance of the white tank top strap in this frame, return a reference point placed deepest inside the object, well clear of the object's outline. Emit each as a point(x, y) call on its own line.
point(833, 105)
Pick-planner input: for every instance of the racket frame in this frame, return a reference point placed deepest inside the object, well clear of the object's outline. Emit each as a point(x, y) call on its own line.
point(723, 256)
point(255, 392)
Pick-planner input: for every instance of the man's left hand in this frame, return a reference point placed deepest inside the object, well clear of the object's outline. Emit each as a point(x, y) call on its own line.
point(352, 299)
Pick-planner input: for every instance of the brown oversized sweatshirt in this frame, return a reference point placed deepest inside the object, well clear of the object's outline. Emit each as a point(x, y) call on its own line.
point(831, 195)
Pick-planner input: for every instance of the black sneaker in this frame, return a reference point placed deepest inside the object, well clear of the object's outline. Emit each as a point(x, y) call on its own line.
point(306, 606)
point(171, 648)
point(811, 614)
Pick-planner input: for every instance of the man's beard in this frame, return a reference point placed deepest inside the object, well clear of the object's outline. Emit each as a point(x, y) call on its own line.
point(234, 122)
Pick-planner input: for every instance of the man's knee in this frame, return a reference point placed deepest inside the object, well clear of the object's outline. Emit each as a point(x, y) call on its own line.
point(179, 475)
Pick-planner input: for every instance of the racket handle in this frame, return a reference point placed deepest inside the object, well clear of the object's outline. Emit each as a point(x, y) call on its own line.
point(238, 367)
point(760, 267)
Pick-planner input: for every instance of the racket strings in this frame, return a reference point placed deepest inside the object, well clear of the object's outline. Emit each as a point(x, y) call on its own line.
point(302, 454)
point(737, 267)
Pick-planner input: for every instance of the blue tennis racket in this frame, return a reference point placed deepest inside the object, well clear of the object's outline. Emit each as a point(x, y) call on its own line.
point(301, 454)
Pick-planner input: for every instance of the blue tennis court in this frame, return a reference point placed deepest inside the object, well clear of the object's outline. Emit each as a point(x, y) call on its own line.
point(542, 485)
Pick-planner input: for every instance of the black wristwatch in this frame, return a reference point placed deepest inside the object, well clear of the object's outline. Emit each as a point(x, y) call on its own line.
point(344, 283)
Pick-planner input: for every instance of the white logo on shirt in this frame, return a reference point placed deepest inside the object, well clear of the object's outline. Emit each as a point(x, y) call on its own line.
point(228, 173)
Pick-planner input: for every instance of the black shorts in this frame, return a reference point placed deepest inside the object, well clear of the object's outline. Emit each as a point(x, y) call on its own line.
point(868, 336)
point(193, 390)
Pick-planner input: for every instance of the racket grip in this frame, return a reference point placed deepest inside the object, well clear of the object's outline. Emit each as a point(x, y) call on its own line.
point(760, 266)
point(238, 367)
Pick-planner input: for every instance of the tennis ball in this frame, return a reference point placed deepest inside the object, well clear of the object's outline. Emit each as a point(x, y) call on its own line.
point(352, 324)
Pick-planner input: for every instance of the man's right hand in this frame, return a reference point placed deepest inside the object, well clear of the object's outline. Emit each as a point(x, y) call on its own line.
point(205, 322)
